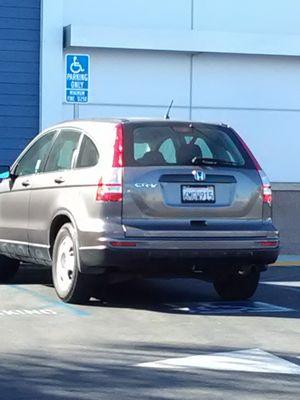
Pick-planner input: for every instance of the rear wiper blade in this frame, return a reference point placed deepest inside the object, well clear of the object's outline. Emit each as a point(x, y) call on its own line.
point(212, 161)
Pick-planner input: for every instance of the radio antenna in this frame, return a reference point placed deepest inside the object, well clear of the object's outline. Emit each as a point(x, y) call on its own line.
point(167, 116)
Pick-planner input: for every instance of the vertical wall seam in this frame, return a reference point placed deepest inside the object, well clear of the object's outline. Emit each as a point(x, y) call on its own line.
point(191, 67)
point(191, 86)
point(51, 77)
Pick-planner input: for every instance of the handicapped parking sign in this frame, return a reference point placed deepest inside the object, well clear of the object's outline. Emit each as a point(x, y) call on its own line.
point(77, 78)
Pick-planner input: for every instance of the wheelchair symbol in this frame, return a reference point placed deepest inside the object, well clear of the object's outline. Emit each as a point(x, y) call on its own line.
point(76, 67)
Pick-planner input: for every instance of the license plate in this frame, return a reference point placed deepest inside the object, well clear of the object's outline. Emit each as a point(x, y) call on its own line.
point(198, 194)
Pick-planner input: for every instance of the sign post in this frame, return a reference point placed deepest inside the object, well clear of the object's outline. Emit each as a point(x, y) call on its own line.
point(77, 80)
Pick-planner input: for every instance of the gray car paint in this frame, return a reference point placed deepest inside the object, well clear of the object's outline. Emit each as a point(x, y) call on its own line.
point(239, 203)
point(14, 205)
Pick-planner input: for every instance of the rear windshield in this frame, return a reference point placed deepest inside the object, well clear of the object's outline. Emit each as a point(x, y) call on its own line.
point(186, 145)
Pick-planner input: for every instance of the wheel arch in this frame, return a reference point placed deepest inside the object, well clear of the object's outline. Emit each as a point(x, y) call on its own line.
point(58, 221)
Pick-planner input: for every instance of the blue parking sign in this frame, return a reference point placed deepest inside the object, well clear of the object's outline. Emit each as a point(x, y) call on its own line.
point(77, 78)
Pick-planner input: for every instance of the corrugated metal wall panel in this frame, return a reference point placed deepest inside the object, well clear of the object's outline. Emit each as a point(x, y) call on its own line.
point(19, 75)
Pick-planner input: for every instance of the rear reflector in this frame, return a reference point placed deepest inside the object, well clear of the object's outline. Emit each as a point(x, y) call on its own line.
point(269, 243)
point(123, 244)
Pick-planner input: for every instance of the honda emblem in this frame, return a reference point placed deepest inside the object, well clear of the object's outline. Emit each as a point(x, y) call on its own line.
point(199, 175)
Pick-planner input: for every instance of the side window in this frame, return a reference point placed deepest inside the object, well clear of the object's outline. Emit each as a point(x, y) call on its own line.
point(34, 159)
point(206, 151)
point(168, 151)
point(140, 149)
point(62, 153)
point(88, 154)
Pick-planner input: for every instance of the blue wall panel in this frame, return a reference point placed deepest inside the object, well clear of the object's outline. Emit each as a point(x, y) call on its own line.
point(19, 75)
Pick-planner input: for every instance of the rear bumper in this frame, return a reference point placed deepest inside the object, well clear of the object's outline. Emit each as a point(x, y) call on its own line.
point(173, 255)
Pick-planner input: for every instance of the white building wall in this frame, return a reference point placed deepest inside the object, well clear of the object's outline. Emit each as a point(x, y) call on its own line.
point(130, 83)
point(257, 94)
point(158, 14)
point(253, 16)
point(260, 97)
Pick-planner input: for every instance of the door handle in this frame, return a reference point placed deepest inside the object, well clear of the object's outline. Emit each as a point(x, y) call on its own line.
point(59, 180)
point(25, 183)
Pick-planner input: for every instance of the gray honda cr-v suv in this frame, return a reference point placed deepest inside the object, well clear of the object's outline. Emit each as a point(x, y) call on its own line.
point(153, 198)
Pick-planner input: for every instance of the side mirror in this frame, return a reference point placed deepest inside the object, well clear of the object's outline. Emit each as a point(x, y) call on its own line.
point(4, 172)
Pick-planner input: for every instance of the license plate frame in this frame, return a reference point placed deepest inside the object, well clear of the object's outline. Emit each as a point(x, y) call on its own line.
point(208, 189)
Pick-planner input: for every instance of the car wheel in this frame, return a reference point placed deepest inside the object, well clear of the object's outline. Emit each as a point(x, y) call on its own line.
point(238, 285)
point(8, 268)
point(70, 284)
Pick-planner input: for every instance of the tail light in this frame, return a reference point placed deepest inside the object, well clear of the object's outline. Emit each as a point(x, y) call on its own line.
point(266, 188)
point(110, 186)
point(118, 159)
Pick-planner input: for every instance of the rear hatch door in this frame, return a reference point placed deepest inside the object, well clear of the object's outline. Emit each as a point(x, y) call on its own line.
point(182, 180)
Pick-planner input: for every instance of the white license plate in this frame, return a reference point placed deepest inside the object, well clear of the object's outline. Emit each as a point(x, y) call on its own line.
point(198, 194)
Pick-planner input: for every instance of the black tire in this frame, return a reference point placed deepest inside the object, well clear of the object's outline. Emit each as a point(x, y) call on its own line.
point(8, 268)
point(236, 286)
point(80, 285)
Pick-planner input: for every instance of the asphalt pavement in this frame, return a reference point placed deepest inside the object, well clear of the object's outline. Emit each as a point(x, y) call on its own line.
point(164, 339)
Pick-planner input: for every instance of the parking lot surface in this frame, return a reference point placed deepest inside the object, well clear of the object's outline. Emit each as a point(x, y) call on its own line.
point(166, 339)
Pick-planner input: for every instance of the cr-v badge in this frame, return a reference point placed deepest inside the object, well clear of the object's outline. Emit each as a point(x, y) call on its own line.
point(145, 185)
point(199, 175)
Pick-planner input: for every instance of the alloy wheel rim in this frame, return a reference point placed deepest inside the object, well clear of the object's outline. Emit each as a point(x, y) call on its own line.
point(65, 267)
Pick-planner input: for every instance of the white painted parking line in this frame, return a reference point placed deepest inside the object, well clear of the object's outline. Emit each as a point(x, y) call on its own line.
point(293, 284)
point(231, 307)
point(252, 360)
point(27, 312)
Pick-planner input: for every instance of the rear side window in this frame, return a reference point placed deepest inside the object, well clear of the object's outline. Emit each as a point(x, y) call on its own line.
point(63, 151)
point(184, 145)
point(88, 154)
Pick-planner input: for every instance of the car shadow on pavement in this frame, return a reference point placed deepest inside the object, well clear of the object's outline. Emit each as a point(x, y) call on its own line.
point(29, 274)
point(188, 296)
point(194, 297)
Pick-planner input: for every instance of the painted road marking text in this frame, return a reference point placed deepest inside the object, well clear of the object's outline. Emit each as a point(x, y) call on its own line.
point(41, 311)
